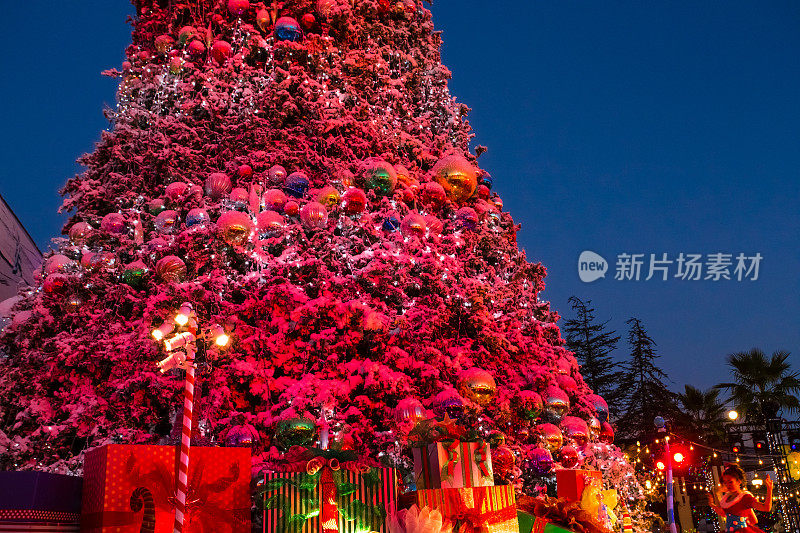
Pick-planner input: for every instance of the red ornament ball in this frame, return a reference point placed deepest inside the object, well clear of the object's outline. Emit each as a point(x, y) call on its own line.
point(502, 461)
point(568, 456)
point(221, 51)
point(291, 208)
point(218, 185)
point(245, 172)
point(308, 21)
point(197, 48)
point(354, 201)
point(171, 268)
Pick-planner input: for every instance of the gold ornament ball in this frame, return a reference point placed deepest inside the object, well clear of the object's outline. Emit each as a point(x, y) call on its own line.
point(235, 227)
point(458, 177)
point(171, 268)
point(552, 436)
point(477, 385)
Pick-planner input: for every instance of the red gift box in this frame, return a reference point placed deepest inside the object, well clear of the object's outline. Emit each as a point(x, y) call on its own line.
point(128, 489)
point(476, 509)
point(570, 483)
point(453, 465)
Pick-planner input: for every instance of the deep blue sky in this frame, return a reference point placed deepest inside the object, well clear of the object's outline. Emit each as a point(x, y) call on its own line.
point(616, 128)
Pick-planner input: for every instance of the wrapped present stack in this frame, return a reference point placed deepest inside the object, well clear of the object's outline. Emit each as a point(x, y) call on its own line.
point(328, 491)
point(131, 489)
point(455, 477)
point(39, 501)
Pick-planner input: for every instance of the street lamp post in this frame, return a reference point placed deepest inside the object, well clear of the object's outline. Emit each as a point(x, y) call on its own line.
point(182, 350)
point(661, 424)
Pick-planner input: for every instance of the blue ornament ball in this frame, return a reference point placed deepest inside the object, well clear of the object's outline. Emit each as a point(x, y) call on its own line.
point(196, 217)
point(296, 184)
point(391, 224)
point(288, 29)
point(487, 180)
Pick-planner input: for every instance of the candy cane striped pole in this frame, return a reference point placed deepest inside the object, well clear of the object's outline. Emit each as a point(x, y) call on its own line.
point(186, 440)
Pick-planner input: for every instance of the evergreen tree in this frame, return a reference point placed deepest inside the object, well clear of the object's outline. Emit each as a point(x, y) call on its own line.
point(647, 394)
point(592, 345)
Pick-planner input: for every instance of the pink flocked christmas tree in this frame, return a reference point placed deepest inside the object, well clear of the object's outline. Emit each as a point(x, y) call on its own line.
point(300, 174)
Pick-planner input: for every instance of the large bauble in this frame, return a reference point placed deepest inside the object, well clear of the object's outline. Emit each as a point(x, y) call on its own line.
point(552, 437)
point(606, 433)
point(600, 406)
point(218, 185)
point(409, 410)
point(165, 222)
point(274, 200)
point(540, 461)
point(502, 461)
point(413, 225)
point(79, 232)
point(313, 215)
point(238, 7)
point(58, 264)
point(528, 405)
point(235, 227)
point(329, 197)
point(276, 175)
point(239, 198)
point(295, 432)
point(379, 176)
point(432, 195)
point(595, 426)
point(164, 43)
point(467, 218)
point(556, 404)
point(354, 201)
point(296, 184)
point(176, 191)
point(450, 404)
point(458, 177)
point(568, 456)
point(221, 51)
point(576, 429)
point(171, 268)
point(287, 29)
point(477, 385)
point(55, 283)
point(270, 224)
point(113, 223)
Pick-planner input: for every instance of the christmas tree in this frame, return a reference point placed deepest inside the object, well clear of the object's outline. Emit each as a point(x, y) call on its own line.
point(298, 172)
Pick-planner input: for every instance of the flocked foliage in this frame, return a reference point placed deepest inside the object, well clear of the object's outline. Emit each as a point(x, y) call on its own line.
point(309, 186)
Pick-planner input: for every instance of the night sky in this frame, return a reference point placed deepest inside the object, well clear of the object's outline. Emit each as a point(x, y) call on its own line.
point(621, 129)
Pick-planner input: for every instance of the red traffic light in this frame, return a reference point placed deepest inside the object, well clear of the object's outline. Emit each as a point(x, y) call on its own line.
point(678, 457)
point(660, 465)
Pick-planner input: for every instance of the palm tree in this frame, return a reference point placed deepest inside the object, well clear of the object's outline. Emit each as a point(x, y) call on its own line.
point(703, 415)
point(762, 385)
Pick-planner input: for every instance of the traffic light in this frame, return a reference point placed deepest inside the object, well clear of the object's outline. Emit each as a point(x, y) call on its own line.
point(760, 443)
point(736, 443)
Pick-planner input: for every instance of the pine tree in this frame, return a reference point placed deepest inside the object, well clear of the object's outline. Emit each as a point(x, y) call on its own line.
point(309, 187)
point(592, 346)
point(648, 395)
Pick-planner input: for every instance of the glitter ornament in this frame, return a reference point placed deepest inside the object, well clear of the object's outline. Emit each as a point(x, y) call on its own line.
point(379, 176)
point(551, 435)
point(314, 215)
point(528, 405)
point(413, 225)
point(218, 185)
point(79, 232)
point(287, 29)
point(235, 227)
point(165, 222)
point(432, 195)
point(238, 7)
point(134, 274)
point(477, 385)
point(606, 433)
point(221, 51)
point(296, 184)
point(457, 176)
point(540, 461)
point(354, 201)
point(556, 404)
point(276, 175)
point(171, 269)
point(328, 196)
point(274, 200)
point(391, 224)
point(467, 218)
point(175, 191)
point(270, 224)
point(295, 432)
point(196, 48)
point(197, 217)
point(58, 263)
point(568, 456)
point(113, 223)
point(599, 405)
point(245, 172)
point(576, 429)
